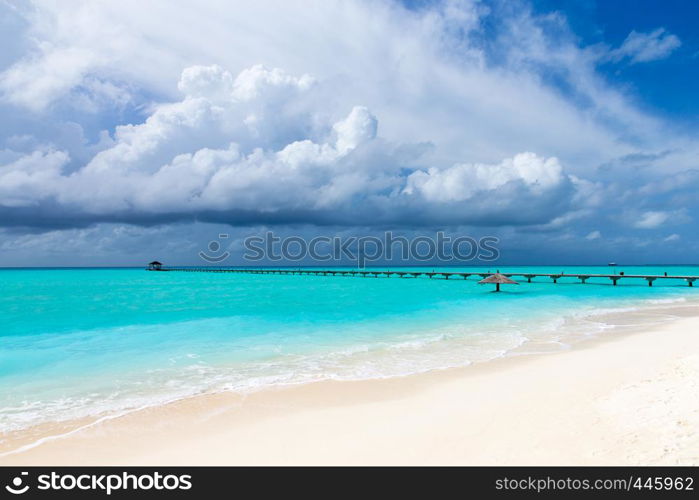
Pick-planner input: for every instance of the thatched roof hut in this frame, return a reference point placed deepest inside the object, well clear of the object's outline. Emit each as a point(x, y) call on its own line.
point(155, 265)
point(498, 279)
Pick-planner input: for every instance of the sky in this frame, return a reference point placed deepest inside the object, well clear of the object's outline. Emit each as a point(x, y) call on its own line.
point(132, 131)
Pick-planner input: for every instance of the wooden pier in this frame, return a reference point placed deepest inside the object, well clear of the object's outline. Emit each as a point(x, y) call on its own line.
point(365, 273)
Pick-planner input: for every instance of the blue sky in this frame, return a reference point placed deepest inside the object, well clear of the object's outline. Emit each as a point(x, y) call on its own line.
point(668, 85)
point(565, 128)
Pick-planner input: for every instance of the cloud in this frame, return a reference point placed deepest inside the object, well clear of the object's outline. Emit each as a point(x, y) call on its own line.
point(463, 181)
point(650, 220)
point(594, 235)
point(359, 127)
point(672, 237)
point(179, 164)
point(29, 179)
point(424, 71)
point(356, 114)
point(645, 47)
point(656, 218)
point(34, 83)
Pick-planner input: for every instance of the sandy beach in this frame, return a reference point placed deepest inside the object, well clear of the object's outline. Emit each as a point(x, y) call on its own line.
point(625, 398)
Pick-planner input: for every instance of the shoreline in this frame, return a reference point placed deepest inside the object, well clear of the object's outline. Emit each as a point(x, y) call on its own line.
point(575, 326)
point(422, 418)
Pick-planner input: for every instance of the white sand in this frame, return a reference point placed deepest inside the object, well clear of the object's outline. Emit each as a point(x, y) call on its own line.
point(625, 399)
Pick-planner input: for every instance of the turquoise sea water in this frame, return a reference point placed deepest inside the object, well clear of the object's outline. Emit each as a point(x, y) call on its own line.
point(79, 342)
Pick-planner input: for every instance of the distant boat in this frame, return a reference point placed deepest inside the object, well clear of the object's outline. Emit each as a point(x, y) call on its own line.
point(612, 264)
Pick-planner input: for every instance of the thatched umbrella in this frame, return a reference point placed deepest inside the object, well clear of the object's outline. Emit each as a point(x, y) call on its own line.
point(498, 279)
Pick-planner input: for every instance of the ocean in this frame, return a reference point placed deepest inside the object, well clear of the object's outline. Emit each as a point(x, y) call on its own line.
point(79, 343)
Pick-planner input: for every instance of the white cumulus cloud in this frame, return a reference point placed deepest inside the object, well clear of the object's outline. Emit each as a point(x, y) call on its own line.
point(256, 148)
point(462, 181)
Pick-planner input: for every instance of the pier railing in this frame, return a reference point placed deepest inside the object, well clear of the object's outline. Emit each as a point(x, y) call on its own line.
point(364, 273)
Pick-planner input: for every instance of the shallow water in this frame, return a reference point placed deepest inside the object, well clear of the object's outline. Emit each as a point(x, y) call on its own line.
point(78, 342)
